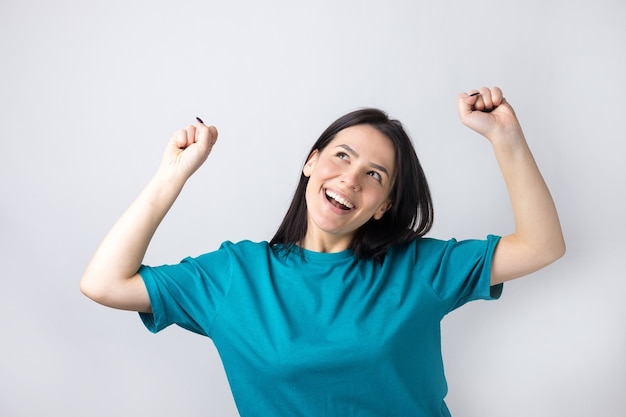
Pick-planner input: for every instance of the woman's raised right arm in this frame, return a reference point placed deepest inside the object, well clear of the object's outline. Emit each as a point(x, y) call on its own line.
point(111, 277)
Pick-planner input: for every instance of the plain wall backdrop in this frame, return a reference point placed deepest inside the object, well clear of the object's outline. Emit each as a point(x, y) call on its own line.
point(90, 93)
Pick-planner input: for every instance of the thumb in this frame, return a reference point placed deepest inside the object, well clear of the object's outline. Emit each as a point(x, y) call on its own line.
point(206, 135)
point(465, 103)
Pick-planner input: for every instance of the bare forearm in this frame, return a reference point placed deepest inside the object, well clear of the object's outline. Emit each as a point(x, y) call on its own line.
point(121, 253)
point(124, 247)
point(537, 240)
point(537, 226)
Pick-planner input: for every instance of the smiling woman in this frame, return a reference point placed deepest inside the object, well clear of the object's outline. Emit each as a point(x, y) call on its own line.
point(346, 188)
point(339, 314)
point(372, 152)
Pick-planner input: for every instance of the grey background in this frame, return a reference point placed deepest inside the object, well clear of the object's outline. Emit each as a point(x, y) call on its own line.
point(90, 92)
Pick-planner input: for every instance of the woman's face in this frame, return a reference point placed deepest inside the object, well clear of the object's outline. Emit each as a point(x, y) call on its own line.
point(349, 183)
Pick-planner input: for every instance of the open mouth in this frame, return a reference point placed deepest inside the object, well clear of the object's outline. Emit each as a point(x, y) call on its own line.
point(338, 201)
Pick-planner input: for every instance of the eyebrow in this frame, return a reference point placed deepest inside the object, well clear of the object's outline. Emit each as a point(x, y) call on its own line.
point(356, 155)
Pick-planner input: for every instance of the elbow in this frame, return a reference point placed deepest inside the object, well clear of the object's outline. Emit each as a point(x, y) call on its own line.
point(89, 288)
point(116, 292)
point(560, 251)
point(554, 251)
point(559, 246)
point(548, 245)
point(94, 287)
point(544, 252)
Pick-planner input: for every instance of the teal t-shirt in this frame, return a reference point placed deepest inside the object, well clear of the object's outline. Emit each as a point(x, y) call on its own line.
point(303, 333)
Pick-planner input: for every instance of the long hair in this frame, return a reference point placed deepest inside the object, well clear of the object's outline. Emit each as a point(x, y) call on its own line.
point(411, 213)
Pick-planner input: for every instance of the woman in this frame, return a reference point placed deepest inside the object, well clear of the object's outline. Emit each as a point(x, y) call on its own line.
point(339, 314)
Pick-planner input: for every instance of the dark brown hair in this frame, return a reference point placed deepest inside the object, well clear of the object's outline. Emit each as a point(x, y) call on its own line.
point(411, 212)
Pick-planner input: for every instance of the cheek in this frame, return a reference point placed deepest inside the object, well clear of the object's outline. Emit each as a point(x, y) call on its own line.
point(381, 201)
point(325, 168)
point(312, 190)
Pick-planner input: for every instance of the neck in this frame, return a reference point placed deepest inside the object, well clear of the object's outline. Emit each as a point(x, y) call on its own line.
point(325, 243)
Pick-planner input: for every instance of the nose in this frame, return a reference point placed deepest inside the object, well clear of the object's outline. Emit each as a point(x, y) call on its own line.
point(351, 179)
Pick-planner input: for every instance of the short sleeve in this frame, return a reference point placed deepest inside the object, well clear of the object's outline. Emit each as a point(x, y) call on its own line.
point(464, 272)
point(188, 294)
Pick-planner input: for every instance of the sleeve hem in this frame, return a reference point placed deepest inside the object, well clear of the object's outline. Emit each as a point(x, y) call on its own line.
point(150, 320)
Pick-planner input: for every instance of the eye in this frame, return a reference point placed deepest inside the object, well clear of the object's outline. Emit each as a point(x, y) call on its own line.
point(375, 175)
point(342, 155)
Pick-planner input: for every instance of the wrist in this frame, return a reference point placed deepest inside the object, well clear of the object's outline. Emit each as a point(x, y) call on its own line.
point(166, 176)
point(165, 184)
point(511, 138)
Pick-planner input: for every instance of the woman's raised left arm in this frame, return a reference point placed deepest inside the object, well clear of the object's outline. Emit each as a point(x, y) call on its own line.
point(538, 239)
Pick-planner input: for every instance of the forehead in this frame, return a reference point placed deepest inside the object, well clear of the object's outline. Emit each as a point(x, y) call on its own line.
point(368, 142)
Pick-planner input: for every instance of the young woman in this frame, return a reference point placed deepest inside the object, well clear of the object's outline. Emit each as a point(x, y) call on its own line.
point(339, 314)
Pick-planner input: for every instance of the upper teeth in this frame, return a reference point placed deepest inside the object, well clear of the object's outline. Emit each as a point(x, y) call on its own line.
point(339, 199)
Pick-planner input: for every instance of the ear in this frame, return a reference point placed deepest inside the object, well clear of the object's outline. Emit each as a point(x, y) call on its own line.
point(310, 163)
point(380, 212)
